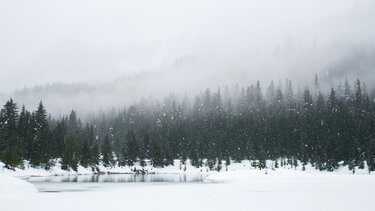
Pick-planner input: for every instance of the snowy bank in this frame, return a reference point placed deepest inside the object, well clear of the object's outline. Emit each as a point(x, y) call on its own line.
point(55, 170)
point(244, 172)
point(12, 185)
point(29, 171)
point(178, 168)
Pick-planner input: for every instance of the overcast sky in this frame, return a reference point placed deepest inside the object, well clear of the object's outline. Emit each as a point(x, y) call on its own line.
point(87, 40)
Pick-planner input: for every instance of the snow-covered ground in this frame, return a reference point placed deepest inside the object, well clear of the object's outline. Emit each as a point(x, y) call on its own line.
point(10, 185)
point(177, 168)
point(239, 188)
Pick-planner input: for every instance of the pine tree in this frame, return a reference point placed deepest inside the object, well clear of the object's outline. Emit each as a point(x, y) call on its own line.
point(361, 124)
point(131, 148)
point(41, 153)
point(156, 153)
point(319, 128)
point(307, 131)
point(70, 155)
point(333, 139)
point(74, 130)
point(347, 91)
point(95, 154)
point(10, 145)
point(25, 131)
point(271, 92)
point(60, 134)
point(86, 147)
point(144, 149)
point(107, 152)
point(316, 87)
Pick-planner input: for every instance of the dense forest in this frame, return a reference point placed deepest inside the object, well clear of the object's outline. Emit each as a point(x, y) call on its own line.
point(321, 128)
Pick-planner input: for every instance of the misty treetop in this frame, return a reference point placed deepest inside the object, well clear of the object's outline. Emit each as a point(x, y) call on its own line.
point(250, 123)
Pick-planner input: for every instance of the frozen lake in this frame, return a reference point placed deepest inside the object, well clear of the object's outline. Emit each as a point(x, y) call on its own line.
point(240, 190)
point(104, 181)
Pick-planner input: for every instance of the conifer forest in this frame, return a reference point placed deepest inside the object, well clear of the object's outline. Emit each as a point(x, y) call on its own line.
point(214, 127)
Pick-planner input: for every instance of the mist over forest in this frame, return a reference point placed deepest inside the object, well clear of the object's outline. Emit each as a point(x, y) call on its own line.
point(113, 54)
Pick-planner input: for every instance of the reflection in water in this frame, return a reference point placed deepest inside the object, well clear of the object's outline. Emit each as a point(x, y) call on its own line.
point(55, 184)
point(121, 178)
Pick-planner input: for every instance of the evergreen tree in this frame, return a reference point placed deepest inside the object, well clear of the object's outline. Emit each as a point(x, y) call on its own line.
point(95, 154)
point(306, 134)
point(132, 149)
point(70, 155)
point(25, 132)
point(60, 134)
point(156, 153)
point(86, 147)
point(331, 151)
point(42, 149)
point(319, 127)
point(74, 130)
point(107, 156)
point(316, 87)
point(10, 146)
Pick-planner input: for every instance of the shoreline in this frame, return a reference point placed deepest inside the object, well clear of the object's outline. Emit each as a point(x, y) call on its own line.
point(187, 168)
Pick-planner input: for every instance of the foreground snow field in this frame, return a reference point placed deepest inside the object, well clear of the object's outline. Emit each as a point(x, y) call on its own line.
point(242, 190)
point(236, 189)
point(12, 185)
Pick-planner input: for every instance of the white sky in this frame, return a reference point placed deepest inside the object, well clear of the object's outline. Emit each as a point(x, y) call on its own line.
point(87, 40)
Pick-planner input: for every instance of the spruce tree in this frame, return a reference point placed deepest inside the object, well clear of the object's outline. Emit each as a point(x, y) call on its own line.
point(331, 151)
point(107, 156)
point(95, 154)
point(307, 130)
point(70, 155)
point(319, 127)
point(25, 131)
point(86, 147)
point(156, 153)
point(41, 153)
point(60, 134)
point(10, 146)
point(131, 148)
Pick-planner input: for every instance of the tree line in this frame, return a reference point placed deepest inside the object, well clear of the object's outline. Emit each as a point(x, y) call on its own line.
point(314, 127)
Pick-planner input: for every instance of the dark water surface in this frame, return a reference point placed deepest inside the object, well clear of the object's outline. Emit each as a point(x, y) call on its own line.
point(108, 181)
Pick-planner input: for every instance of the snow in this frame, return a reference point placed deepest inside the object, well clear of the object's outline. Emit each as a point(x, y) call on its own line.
point(11, 185)
point(177, 168)
point(30, 171)
point(239, 188)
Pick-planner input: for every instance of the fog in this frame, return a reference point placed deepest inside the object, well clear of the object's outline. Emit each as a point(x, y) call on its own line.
point(93, 55)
